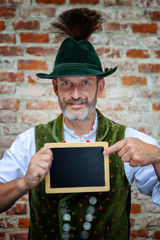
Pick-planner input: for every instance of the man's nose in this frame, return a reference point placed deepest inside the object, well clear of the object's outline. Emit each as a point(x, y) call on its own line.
point(75, 93)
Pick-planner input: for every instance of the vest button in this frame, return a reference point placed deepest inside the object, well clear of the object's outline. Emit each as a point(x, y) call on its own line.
point(66, 217)
point(84, 235)
point(93, 200)
point(65, 236)
point(87, 226)
point(66, 227)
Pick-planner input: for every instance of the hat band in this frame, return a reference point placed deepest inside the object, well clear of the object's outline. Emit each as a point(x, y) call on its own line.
point(84, 65)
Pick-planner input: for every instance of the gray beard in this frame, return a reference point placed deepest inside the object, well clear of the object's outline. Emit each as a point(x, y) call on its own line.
point(90, 107)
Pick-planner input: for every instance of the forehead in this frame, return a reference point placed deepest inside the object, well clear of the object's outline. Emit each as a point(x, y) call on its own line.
point(78, 79)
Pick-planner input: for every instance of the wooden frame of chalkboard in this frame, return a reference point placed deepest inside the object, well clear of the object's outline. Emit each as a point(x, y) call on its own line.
point(78, 167)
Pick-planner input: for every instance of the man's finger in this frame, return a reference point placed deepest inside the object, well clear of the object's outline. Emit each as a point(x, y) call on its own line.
point(114, 148)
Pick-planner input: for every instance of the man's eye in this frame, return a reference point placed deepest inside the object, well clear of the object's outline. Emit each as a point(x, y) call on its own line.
point(66, 83)
point(86, 83)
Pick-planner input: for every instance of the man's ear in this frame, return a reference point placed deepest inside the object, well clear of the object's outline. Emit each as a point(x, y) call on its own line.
point(101, 85)
point(54, 82)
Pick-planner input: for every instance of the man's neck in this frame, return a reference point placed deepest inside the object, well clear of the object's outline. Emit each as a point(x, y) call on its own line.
point(81, 128)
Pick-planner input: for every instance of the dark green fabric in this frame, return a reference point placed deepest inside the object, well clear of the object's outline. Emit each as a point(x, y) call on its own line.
point(110, 218)
point(77, 58)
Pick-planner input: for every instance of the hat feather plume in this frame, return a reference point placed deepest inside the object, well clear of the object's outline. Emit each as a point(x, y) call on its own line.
point(78, 23)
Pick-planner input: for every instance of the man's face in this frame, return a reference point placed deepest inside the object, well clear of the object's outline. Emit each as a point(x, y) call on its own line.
point(77, 96)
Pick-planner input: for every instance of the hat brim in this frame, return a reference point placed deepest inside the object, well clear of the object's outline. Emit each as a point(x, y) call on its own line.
point(76, 72)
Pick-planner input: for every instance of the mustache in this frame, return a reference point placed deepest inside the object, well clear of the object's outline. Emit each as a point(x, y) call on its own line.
point(76, 101)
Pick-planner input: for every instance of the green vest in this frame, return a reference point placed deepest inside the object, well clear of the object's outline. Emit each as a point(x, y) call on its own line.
point(110, 219)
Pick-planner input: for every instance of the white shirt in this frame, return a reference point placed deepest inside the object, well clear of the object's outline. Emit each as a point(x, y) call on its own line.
point(15, 161)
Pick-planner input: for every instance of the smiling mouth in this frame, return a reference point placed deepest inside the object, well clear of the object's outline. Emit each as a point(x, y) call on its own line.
point(76, 105)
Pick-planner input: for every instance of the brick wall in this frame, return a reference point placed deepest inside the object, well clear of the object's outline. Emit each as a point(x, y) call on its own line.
point(129, 39)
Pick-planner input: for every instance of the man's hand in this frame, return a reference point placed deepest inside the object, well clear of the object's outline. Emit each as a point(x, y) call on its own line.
point(135, 151)
point(38, 168)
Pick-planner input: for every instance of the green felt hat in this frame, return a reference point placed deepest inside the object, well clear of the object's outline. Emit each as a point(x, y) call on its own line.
point(77, 58)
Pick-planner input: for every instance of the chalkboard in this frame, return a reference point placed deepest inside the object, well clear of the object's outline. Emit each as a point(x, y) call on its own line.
point(78, 167)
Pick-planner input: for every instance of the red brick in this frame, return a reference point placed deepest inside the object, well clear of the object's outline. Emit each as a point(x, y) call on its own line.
point(7, 11)
point(129, 14)
point(113, 26)
point(2, 236)
point(8, 117)
point(150, 93)
point(149, 68)
point(156, 106)
point(34, 37)
point(32, 65)
point(18, 236)
point(110, 106)
point(109, 3)
point(24, 24)
point(11, 51)
point(15, 129)
point(144, 28)
point(42, 51)
point(42, 12)
point(135, 208)
point(5, 142)
point(23, 222)
point(156, 234)
point(157, 52)
point(17, 209)
point(38, 104)
point(9, 89)
point(137, 53)
point(11, 77)
point(4, 223)
point(2, 1)
point(36, 91)
point(51, 1)
point(9, 104)
point(109, 52)
point(84, 1)
point(2, 25)
point(155, 15)
point(140, 233)
point(148, 3)
point(133, 80)
point(7, 38)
